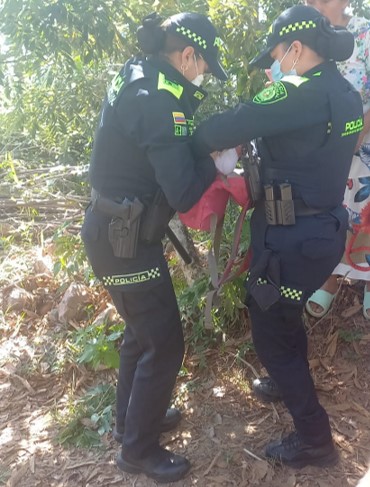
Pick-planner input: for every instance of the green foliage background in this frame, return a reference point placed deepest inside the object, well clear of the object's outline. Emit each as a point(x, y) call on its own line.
point(59, 56)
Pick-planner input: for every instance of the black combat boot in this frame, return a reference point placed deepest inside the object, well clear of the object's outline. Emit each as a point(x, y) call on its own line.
point(168, 423)
point(161, 465)
point(266, 390)
point(293, 452)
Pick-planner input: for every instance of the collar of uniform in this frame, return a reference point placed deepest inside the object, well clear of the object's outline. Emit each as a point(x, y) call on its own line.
point(196, 94)
point(325, 66)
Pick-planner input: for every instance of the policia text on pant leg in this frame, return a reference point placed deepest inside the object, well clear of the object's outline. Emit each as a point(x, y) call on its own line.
point(142, 171)
point(306, 124)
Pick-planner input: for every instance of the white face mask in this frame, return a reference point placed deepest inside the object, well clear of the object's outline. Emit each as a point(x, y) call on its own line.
point(198, 80)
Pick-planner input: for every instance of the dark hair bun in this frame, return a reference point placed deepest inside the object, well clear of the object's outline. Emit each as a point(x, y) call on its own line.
point(150, 35)
point(334, 42)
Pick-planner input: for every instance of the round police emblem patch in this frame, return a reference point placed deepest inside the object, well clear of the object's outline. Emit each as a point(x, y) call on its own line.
point(272, 94)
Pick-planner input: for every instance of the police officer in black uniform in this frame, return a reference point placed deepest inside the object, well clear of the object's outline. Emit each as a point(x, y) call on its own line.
point(307, 123)
point(143, 170)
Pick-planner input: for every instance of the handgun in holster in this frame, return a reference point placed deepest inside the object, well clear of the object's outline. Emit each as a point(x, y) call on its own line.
point(156, 219)
point(123, 231)
point(251, 167)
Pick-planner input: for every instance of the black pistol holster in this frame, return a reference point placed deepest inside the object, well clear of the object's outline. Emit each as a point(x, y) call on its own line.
point(251, 166)
point(133, 222)
point(123, 232)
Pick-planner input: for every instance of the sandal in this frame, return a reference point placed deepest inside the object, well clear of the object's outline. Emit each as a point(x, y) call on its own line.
point(366, 304)
point(324, 299)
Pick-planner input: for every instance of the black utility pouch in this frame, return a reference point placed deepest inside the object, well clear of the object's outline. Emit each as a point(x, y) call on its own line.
point(156, 219)
point(285, 206)
point(123, 233)
point(270, 205)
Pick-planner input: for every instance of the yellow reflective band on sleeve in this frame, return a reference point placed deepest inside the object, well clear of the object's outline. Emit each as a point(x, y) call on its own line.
point(165, 84)
point(296, 26)
point(295, 80)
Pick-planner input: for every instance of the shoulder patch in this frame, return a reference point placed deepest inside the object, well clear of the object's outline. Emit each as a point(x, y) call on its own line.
point(295, 80)
point(115, 87)
point(272, 94)
point(166, 84)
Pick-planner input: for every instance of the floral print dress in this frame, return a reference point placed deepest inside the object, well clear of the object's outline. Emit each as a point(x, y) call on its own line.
point(356, 263)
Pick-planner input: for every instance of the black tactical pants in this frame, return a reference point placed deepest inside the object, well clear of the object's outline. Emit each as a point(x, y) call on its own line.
point(281, 344)
point(151, 356)
point(153, 346)
point(305, 255)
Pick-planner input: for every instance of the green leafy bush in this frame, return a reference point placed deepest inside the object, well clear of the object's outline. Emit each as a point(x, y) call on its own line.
point(88, 418)
point(98, 345)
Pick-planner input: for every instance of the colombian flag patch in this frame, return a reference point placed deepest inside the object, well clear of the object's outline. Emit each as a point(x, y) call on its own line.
point(179, 118)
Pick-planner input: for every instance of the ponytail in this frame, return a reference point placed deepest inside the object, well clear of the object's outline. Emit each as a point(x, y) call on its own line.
point(333, 43)
point(150, 35)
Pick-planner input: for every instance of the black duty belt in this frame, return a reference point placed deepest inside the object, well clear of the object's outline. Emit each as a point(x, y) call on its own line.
point(151, 224)
point(301, 209)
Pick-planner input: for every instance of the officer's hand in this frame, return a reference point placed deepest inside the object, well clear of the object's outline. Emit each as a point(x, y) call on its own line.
point(226, 161)
point(215, 154)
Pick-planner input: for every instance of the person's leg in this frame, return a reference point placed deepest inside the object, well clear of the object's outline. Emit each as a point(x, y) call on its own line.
point(157, 344)
point(129, 355)
point(281, 344)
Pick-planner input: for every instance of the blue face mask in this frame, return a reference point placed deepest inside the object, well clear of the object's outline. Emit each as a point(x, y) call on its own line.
point(276, 72)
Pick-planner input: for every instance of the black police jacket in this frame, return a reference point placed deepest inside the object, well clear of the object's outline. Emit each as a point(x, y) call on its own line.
point(143, 137)
point(308, 128)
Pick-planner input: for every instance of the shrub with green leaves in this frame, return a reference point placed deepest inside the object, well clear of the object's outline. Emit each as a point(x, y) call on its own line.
point(98, 345)
point(87, 419)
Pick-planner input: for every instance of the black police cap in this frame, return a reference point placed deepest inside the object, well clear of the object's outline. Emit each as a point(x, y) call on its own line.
point(308, 25)
point(199, 32)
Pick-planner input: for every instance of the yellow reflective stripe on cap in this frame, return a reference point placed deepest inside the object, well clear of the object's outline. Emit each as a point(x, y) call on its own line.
point(166, 84)
point(294, 80)
point(297, 26)
point(192, 36)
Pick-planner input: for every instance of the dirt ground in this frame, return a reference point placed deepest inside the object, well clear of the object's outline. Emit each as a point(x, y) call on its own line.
point(224, 428)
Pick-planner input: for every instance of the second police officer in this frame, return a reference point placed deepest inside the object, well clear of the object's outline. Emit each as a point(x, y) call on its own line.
point(307, 123)
point(143, 170)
